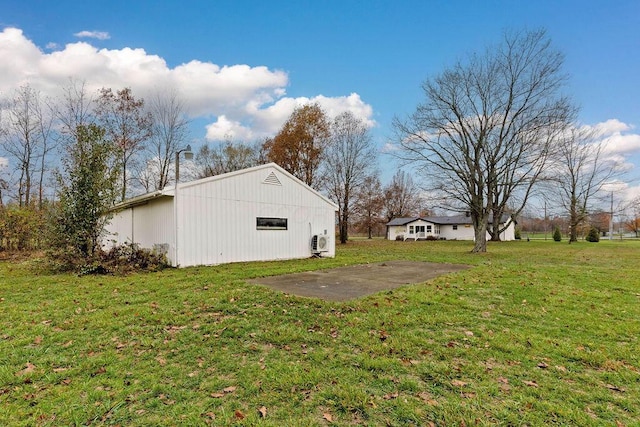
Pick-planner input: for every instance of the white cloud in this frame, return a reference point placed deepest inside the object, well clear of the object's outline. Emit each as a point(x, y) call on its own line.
point(4, 162)
point(52, 46)
point(622, 144)
point(100, 35)
point(242, 101)
point(266, 120)
point(617, 137)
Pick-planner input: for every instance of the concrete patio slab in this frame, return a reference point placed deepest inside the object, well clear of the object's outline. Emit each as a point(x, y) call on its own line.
point(346, 283)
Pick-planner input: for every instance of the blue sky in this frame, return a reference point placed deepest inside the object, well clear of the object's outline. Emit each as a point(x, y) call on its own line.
point(261, 58)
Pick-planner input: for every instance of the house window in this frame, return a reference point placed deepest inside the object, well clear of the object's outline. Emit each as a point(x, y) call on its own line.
point(271, 223)
point(455, 227)
point(419, 228)
point(428, 229)
point(411, 229)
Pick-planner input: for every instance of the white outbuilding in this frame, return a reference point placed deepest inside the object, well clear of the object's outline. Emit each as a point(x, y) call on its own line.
point(256, 214)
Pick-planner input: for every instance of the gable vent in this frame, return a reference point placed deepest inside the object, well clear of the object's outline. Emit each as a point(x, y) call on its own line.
point(272, 179)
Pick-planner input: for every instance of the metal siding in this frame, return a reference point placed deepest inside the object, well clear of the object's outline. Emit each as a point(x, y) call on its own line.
point(153, 224)
point(146, 225)
point(118, 229)
point(218, 219)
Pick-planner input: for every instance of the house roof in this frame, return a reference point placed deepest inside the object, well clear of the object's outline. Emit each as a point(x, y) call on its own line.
point(169, 191)
point(441, 220)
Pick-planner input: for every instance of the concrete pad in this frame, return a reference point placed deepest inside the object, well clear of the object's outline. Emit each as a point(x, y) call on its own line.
point(345, 283)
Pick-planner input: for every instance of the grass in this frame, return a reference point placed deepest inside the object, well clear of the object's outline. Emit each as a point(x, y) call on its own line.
point(537, 333)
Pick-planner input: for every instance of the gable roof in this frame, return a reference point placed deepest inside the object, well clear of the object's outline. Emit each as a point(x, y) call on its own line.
point(441, 220)
point(169, 190)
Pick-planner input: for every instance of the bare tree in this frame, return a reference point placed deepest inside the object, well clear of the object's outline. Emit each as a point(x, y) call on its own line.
point(169, 131)
point(27, 139)
point(349, 158)
point(73, 109)
point(369, 204)
point(227, 157)
point(580, 175)
point(487, 127)
point(401, 197)
point(127, 125)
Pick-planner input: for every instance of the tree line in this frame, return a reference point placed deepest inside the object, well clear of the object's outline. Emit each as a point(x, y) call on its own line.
point(492, 131)
point(73, 158)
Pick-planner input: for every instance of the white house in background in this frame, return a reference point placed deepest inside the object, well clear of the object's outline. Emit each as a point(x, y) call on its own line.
point(256, 214)
point(457, 227)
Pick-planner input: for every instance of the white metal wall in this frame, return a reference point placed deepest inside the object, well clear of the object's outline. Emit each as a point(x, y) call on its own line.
point(217, 219)
point(147, 225)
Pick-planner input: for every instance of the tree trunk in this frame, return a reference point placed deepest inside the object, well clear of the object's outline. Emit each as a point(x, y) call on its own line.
point(480, 229)
point(343, 225)
point(574, 221)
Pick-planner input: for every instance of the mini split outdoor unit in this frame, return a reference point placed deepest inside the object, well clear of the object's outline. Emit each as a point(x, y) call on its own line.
point(320, 243)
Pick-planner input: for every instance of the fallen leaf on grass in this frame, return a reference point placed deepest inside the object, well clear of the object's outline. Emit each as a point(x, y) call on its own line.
point(263, 411)
point(615, 388)
point(542, 365)
point(531, 383)
point(327, 417)
point(390, 396)
point(101, 370)
point(619, 424)
point(38, 340)
point(428, 399)
point(239, 415)
point(225, 391)
point(29, 368)
point(458, 383)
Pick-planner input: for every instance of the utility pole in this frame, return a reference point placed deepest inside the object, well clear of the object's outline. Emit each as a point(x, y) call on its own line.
point(611, 219)
point(545, 219)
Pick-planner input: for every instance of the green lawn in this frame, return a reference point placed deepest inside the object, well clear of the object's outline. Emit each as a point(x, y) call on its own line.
point(537, 333)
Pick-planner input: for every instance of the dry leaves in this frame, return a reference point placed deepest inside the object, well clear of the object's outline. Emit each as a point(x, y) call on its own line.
point(531, 383)
point(263, 411)
point(224, 391)
point(390, 396)
point(327, 417)
point(428, 398)
point(458, 383)
point(29, 368)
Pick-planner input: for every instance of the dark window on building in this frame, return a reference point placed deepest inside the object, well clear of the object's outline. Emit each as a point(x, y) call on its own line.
point(271, 223)
point(455, 227)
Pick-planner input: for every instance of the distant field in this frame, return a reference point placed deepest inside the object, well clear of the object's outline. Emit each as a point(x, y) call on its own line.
point(537, 333)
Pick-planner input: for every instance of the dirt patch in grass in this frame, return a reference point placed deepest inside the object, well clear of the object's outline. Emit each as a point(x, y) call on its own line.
point(346, 283)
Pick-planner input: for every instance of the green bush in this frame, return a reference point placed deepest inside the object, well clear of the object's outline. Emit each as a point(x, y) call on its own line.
point(557, 236)
point(594, 235)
